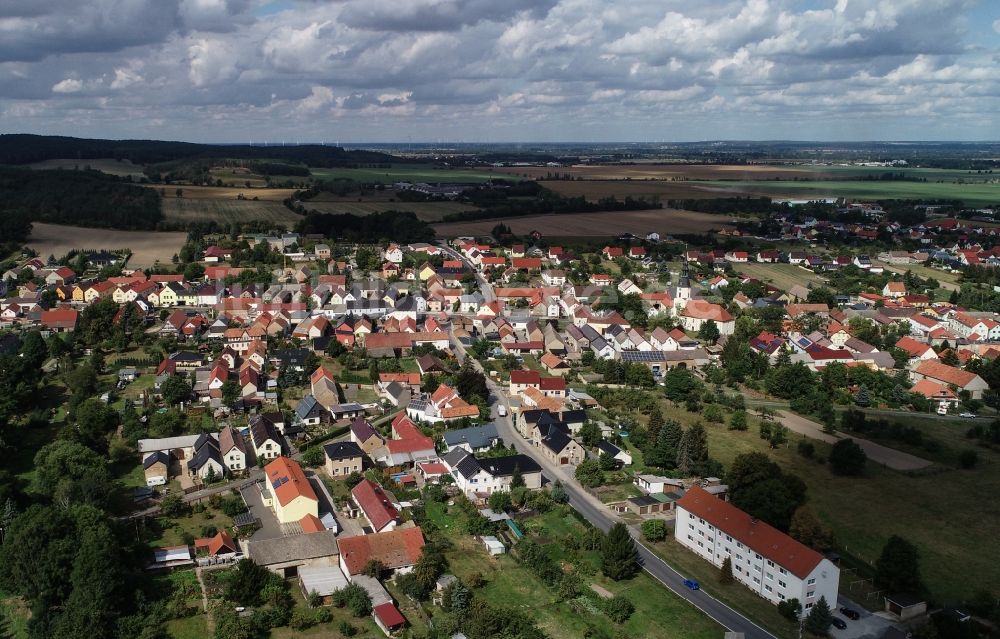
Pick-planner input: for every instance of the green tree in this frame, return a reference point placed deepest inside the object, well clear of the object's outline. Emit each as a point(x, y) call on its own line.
point(808, 529)
point(679, 384)
point(246, 583)
point(726, 571)
point(95, 420)
point(790, 609)
point(590, 434)
point(499, 501)
point(589, 473)
point(175, 389)
point(758, 486)
point(819, 618)
point(654, 530)
point(738, 420)
point(69, 472)
point(517, 478)
point(231, 392)
point(313, 456)
point(655, 423)
point(709, 332)
point(847, 458)
point(898, 567)
point(619, 557)
point(863, 398)
point(607, 462)
point(692, 450)
point(663, 452)
point(558, 493)
point(713, 414)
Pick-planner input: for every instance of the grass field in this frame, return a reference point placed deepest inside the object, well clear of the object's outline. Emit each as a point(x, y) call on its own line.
point(148, 247)
point(943, 513)
point(407, 173)
point(658, 614)
point(104, 165)
point(225, 211)
point(947, 280)
point(980, 194)
point(607, 224)
point(783, 276)
point(384, 201)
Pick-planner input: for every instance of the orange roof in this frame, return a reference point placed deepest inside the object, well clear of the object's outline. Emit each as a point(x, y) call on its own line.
point(946, 374)
point(762, 538)
point(311, 524)
point(912, 346)
point(700, 309)
point(288, 482)
point(395, 549)
point(932, 390)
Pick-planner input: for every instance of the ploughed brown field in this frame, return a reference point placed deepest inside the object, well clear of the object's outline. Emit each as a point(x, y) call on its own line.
point(611, 223)
point(147, 247)
point(667, 172)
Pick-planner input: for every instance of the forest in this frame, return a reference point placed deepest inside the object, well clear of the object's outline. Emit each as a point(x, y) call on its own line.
point(401, 227)
point(82, 198)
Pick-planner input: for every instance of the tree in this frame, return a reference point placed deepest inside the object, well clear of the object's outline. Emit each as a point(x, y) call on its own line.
point(968, 459)
point(654, 530)
point(758, 486)
point(516, 478)
point(619, 558)
point(590, 434)
point(808, 529)
point(692, 450)
point(713, 414)
point(313, 456)
point(655, 423)
point(499, 501)
point(175, 389)
point(618, 609)
point(738, 420)
point(247, 582)
point(95, 420)
point(558, 493)
point(231, 392)
point(72, 473)
point(847, 458)
point(607, 462)
point(589, 473)
point(709, 332)
point(898, 567)
point(663, 453)
point(863, 398)
point(726, 571)
point(679, 384)
point(374, 569)
point(790, 609)
point(819, 618)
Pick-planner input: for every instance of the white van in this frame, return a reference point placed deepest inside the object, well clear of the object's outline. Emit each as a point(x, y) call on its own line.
point(502, 410)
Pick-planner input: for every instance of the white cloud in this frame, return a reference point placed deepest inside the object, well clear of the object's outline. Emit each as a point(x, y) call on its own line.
point(69, 85)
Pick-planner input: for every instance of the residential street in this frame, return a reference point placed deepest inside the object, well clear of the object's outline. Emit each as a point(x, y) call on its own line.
point(594, 511)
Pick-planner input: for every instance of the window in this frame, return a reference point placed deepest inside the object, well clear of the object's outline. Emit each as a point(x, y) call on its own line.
point(808, 606)
point(782, 571)
point(701, 545)
point(756, 556)
point(739, 557)
point(768, 588)
point(810, 594)
point(810, 582)
point(756, 580)
point(770, 563)
point(728, 538)
point(781, 596)
point(782, 584)
point(690, 538)
point(770, 576)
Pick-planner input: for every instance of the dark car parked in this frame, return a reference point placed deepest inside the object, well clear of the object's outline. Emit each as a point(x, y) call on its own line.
point(853, 615)
point(839, 624)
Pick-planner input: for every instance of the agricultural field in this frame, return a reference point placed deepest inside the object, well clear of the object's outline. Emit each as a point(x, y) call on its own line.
point(978, 194)
point(407, 173)
point(663, 172)
point(182, 210)
point(384, 201)
point(783, 276)
point(104, 165)
point(224, 193)
point(607, 224)
point(148, 247)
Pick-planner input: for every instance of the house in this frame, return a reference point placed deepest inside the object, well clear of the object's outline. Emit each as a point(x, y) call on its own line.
point(264, 438)
point(286, 555)
point(652, 484)
point(398, 550)
point(950, 376)
point(483, 477)
point(221, 544)
point(915, 349)
point(156, 468)
point(557, 445)
point(288, 491)
point(408, 445)
point(473, 439)
point(207, 459)
point(364, 435)
point(935, 392)
point(894, 290)
point(233, 449)
point(764, 559)
point(343, 458)
point(376, 504)
point(308, 411)
point(607, 448)
point(697, 312)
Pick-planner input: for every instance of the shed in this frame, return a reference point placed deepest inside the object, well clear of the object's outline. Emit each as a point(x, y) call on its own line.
point(388, 618)
point(493, 545)
point(323, 580)
point(905, 606)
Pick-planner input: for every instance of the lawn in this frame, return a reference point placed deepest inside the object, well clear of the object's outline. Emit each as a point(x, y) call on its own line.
point(944, 513)
point(659, 613)
point(169, 532)
point(193, 627)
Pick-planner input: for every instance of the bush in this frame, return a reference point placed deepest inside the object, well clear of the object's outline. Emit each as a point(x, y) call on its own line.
point(355, 598)
point(313, 456)
point(654, 530)
point(589, 474)
point(347, 629)
point(806, 448)
point(713, 414)
point(790, 609)
point(738, 421)
point(847, 458)
point(619, 608)
point(968, 459)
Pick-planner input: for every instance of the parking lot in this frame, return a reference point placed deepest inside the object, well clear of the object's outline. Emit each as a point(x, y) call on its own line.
point(869, 626)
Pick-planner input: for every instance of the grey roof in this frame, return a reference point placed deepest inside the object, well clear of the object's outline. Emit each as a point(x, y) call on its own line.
point(573, 416)
point(556, 440)
point(205, 450)
point(362, 429)
point(455, 457)
point(504, 466)
point(294, 548)
point(469, 466)
point(153, 458)
point(307, 406)
point(475, 437)
point(261, 430)
point(323, 580)
point(376, 591)
point(342, 450)
point(607, 447)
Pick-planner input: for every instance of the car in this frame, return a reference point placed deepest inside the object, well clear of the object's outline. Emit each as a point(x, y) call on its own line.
point(839, 624)
point(692, 584)
point(853, 615)
point(968, 415)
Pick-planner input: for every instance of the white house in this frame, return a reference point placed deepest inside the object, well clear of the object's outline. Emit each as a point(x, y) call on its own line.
point(486, 476)
point(764, 559)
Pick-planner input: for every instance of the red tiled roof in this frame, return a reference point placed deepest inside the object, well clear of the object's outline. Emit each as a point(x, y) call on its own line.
point(373, 500)
point(311, 524)
point(524, 377)
point(292, 482)
point(944, 373)
point(762, 538)
point(395, 549)
point(389, 615)
point(700, 309)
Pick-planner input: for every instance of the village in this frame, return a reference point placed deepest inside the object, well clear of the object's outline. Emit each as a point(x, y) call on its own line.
point(331, 397)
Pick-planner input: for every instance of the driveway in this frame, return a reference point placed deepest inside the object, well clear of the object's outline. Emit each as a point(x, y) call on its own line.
point(269, 526)
point(869, 626)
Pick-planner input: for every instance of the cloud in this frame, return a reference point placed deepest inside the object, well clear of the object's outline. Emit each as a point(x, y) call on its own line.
point(476, 69)
point(69, 85)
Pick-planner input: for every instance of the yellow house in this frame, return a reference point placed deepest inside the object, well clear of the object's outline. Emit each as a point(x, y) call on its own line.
point(79, 294)
point(120, 296)
point(289, 492)
point(167, 297)
point(426, 272)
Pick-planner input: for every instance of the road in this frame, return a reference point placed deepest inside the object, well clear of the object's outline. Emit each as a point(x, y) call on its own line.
point(484, 287)
point(598, 514)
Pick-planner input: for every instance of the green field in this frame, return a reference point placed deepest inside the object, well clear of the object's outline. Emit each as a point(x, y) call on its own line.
point(932, 175)
point(979, 194)
point(426, 211)
point(406, 173)
point(658, 612)
point(783, 276)
point(225, 211)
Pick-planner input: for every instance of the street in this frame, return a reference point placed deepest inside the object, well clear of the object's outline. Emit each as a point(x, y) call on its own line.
point(595, 512)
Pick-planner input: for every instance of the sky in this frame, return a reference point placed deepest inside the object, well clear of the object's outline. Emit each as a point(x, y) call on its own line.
point(355, 71)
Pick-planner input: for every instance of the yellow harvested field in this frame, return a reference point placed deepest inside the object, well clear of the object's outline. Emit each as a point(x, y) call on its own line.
point(148, 247)
point(783, 276)
point(611, 223)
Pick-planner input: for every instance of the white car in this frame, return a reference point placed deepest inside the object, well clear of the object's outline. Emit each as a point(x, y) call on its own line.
point(968, 415)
